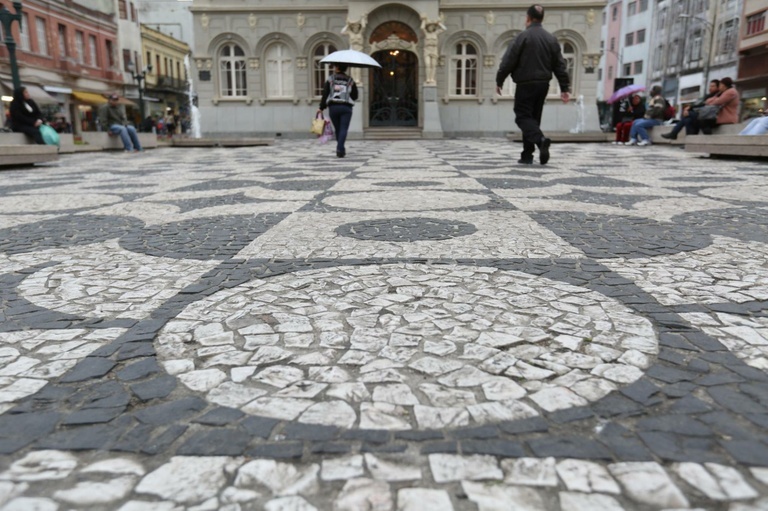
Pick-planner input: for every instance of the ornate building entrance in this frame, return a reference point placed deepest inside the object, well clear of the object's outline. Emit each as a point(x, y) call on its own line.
point(394, 98)
point(394, 87)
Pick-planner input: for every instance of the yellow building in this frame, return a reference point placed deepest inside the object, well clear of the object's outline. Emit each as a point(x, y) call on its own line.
point(165, 88)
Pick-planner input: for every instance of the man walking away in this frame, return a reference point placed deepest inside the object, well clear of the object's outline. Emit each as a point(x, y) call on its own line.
point(531, 60)
point(112, 117)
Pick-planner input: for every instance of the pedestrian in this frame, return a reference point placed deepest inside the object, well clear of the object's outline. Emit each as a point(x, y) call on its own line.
point(654, 115)
point(112, 117)
point(635, 109)
point(530, 60)
point(339, 95)
point(689, 116)
point(26, 116)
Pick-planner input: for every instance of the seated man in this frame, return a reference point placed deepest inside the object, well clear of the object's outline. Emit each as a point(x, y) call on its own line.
point(112, 117)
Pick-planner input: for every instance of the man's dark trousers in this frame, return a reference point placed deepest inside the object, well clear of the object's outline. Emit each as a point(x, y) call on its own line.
point(529, 103)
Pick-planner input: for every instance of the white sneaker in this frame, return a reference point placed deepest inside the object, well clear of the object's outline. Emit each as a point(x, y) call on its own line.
point(631, 142)
point(644, 142)
point(616, 142)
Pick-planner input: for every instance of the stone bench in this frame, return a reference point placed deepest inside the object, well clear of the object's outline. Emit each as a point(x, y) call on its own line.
point(728, 145)
point(66, 141)
point(27, 154)
point(101, 140)
point(724, 129)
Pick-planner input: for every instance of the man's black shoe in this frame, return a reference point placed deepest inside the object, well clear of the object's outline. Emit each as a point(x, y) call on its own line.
point(669, 136)
point(525, 161)
point(544, 150)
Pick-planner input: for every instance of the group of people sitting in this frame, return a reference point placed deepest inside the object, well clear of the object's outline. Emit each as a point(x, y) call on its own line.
point(26, 117)
point(719, 106)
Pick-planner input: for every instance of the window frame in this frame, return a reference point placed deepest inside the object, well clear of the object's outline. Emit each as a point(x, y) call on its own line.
point(464, 65)
point(278, 70)
point(320, 72)
point(238, 70)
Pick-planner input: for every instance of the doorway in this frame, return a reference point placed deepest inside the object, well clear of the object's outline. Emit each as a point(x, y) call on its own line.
point(394, 96)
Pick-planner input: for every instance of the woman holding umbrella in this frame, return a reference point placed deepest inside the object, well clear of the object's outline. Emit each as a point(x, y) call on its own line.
point(339, 95)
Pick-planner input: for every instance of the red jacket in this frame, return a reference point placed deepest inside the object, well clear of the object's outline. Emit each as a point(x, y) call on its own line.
point(729, 106)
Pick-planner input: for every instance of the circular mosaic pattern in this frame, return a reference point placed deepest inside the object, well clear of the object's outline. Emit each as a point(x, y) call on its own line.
point(406, 229)
point(406, 346)
point(406, 200)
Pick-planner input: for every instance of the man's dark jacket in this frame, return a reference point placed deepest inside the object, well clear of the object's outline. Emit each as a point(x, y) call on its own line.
point(532, 57)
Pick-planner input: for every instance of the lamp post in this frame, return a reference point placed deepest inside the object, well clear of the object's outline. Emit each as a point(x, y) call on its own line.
point(7, 18)
point(139, 78)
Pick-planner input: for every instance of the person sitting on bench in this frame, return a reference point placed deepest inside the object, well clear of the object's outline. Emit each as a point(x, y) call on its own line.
point(112, 116)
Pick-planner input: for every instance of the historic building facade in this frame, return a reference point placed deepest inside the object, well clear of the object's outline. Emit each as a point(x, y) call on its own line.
point(258, 68)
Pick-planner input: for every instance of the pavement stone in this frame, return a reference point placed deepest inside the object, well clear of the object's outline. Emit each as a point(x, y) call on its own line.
point(422, 324)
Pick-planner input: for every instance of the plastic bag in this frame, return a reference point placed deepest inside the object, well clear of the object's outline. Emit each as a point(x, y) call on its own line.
point(327, 133)
point(50, 137)
point(318, 124)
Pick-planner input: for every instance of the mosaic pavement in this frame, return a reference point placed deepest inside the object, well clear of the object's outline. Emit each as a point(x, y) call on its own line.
point(419, 326)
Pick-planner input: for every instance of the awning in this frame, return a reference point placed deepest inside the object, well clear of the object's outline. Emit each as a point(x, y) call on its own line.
point(89, 98)
point(35, 92)
point(57, 89)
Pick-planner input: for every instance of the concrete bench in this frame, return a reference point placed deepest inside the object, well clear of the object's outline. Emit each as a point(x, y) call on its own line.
point(103, 141)
point(728, 145)
point(724, 129)
point(27, 154)
point(66, 141)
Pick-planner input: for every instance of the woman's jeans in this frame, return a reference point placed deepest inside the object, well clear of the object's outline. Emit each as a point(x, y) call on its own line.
point(341, 116)
point(127, 135)
point(640, 127)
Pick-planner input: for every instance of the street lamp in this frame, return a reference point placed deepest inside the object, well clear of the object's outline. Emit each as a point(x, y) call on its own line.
point(139, 78)
point(7, 18)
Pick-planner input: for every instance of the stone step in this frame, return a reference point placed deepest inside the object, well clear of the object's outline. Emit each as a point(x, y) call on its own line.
point(728, 145)
point(392, 134)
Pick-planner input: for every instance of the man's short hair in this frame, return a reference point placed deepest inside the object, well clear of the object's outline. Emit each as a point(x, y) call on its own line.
point(114, 97)
point(536, 12)
point(716, 82)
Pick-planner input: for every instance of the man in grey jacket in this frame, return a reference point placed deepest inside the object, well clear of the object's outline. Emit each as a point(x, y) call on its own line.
point(531, 60)
point(112, 117)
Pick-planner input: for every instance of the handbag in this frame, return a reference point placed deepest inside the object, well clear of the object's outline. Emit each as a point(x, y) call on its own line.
point(327, 133)
point(50, 137)
point(318, 124)
point(708, 112)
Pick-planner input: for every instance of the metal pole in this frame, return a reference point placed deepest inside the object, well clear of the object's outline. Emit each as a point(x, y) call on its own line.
point(141, 99)
point(7, 18)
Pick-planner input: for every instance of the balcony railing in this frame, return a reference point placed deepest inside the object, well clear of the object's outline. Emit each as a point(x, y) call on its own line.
point(170, 83)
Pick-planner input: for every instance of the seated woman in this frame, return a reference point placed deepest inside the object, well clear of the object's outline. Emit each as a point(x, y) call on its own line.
point(727, 99)
point(25, 115)
point(689, 115)
point(634, 110)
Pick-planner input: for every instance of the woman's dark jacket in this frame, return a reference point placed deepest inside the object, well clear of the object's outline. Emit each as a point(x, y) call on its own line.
point(20, 116)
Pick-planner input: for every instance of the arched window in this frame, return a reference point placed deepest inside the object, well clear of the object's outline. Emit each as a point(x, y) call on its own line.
point(464, 70)
point(232, 71)
point(569, 54)
point(279, 71)
point(320, 71)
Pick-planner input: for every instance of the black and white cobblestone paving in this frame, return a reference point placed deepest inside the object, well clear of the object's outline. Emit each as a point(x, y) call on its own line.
point(419, 326)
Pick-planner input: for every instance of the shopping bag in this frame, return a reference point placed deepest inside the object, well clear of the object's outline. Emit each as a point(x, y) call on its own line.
point(49, 134)
point(327, 133)
point(318, 124)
